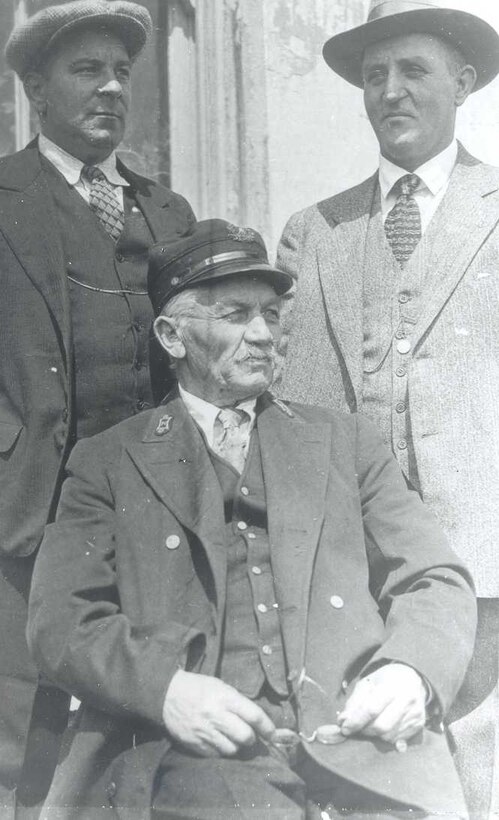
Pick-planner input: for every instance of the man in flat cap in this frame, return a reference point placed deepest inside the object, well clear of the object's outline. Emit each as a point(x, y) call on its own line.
point(396, 306)
point(249, 602)
point(75, 229)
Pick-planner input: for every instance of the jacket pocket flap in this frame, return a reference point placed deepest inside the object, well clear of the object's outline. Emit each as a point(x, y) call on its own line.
point(8, 435)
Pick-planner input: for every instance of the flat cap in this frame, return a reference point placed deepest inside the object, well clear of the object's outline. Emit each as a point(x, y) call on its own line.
point(31, 40)
point(213, 249)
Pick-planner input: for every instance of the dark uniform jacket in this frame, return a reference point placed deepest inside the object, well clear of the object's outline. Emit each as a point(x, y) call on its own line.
point(362, 574)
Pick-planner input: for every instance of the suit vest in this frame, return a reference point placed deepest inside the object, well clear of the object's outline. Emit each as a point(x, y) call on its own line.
point(110, 330)
point(392, 302)
point(252, 649)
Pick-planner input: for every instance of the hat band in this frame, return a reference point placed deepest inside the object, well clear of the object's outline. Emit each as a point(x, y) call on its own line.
point(396, 7)
point(220, 258)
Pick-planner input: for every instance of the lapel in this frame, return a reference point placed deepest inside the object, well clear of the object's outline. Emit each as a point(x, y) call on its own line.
point(341, 257)
point(176, 464)
point(296, 468)
point(467, 215)
point(29, 223)
point(152, 199)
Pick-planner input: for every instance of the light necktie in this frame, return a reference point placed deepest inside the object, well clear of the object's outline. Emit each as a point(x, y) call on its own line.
point(403, 223)
point(103, 201)
point(230, 439)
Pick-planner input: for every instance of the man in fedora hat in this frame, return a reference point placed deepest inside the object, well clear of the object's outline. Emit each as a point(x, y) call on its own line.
point(75, 228)
point(251, 605)
point(396, 306)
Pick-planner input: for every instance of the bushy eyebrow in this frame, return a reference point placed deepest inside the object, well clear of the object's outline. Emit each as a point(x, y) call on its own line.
point(403, 62)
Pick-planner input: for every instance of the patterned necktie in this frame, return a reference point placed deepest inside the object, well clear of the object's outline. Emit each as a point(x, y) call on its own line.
point(231, 439)
point(403, 223)
point(103, 201)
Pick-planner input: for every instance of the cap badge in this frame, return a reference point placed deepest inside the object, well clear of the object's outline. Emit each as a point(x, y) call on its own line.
point(240, 234)
point(164, 425)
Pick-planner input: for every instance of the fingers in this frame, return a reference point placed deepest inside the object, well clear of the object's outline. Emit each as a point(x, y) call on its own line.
point(365, 704)
point(253, 715)
point(389, 704)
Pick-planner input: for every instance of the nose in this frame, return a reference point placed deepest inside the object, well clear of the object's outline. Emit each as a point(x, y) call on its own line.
point(258, 332)
point(112, 87)
point(394, 89)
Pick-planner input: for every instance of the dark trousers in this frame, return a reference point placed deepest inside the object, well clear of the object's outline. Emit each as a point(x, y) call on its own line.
point(474, 718)
point(32, 718)
point(261, 785)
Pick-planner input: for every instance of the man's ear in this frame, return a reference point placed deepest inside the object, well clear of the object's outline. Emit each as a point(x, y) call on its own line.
point(166, 332)
point(35, 87)
point(465, 83)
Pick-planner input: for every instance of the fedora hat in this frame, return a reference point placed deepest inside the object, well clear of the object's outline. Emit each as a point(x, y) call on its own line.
point(212, 250)
point(32, 39)
point(476, 39)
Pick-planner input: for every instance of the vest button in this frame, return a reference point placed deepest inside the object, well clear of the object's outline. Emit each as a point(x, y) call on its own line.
point(242, 525)
point(403, 346)
point(404, 298)
point(400, 407)
point(400, 334)
point(256, 570)
point(400, 371)
point(402, 444)
point(266, 649)
point(120, 257)
point(262, 608)
point(337, 601)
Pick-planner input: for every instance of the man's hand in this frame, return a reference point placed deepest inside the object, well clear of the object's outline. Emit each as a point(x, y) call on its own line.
point(211, 718)
point(388, 703)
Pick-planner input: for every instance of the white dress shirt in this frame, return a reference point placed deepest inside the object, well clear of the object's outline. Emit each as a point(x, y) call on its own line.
point(70, 167)
point(205, 414)
point(434, 174)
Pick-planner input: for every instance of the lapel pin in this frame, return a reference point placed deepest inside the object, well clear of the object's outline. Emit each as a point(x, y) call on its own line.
point(164, 425)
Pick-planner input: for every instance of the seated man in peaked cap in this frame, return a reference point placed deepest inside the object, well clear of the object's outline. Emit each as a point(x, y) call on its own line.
point(258, 616)
point(76, 226)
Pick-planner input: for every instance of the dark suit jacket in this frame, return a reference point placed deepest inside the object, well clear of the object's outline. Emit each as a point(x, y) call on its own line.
point(113, 612)
point(36, 375)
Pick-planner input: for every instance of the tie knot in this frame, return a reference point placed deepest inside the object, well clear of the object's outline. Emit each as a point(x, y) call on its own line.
point(91, 173)
point(231, 418)
point(406, 185)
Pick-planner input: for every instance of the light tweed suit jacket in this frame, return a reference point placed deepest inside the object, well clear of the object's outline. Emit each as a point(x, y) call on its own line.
point(453, 369)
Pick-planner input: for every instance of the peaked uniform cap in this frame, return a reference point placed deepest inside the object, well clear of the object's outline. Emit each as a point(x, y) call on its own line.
point(31, 40)
point(212, 250)
point(475, 38)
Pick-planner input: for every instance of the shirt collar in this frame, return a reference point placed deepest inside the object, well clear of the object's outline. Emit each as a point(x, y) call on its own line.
point(70, 167)
point(435, 173)
point(204, 413)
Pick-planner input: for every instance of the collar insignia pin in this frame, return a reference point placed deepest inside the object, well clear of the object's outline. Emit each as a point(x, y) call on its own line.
point(164, 425)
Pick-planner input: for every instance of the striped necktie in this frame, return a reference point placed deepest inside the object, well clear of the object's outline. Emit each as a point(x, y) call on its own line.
point(403, 223)
point(103, 201)
point(231, 439)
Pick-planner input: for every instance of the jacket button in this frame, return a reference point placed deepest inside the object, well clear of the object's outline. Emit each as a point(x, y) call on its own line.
point(172, 542)
point(337, 601)
point(344, 685)
point(111, 789)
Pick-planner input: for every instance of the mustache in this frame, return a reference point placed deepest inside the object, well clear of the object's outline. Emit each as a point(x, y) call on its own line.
point(267, 355)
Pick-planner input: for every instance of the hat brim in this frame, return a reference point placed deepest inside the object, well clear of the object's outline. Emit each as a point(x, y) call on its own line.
point(476, 39)
point(280, 280)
